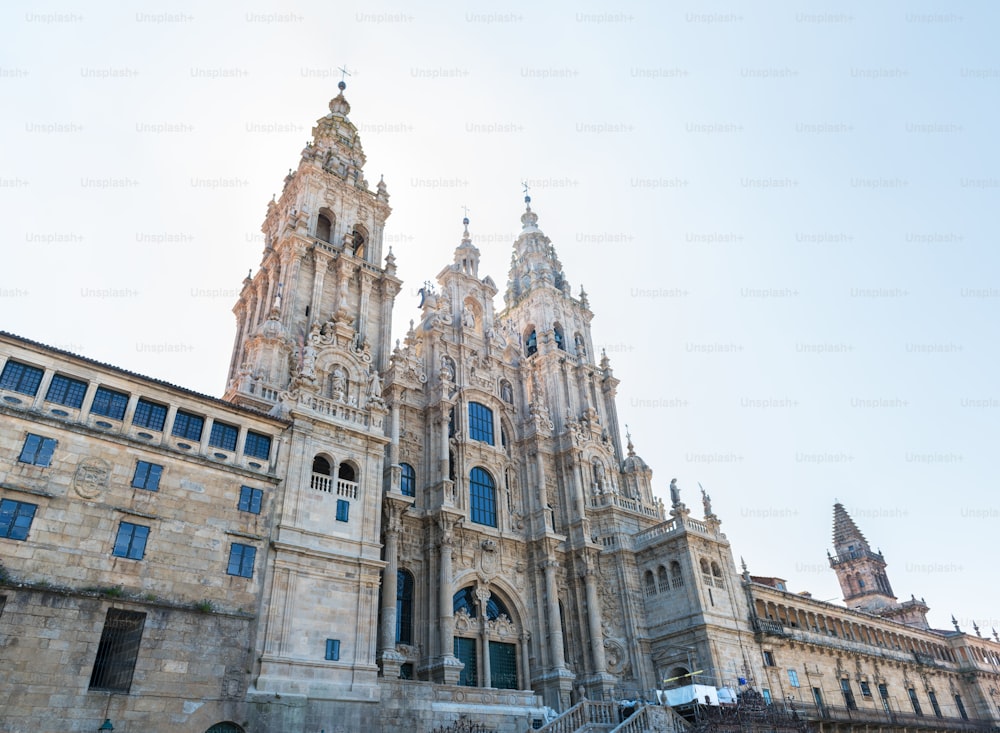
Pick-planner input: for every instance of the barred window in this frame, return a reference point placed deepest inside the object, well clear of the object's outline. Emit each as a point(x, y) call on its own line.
point(66, 391)
point(250, 499)
point(223, 436)
point(109, 403)
point(131, 541)
point(257, 445)
point(241, 558)
point(480, 423)
point(15, 519)
point(407, 480)
point(22, 378)
point(188, 426)
point(147, 476)
point(37, 450)
point(149, 415)
point(117, 651)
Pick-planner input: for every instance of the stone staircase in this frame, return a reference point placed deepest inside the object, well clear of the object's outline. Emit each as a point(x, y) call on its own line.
point(603, 717)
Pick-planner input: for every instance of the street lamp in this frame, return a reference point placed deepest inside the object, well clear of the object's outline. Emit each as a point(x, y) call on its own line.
point(106, 725)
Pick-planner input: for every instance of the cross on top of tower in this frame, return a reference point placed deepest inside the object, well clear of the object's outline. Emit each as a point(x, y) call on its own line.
point(527, 198)
point(344, 72)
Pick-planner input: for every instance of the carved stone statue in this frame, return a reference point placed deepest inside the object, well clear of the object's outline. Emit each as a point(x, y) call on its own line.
point(338, 384)
point(468, 317)
point(675, 493)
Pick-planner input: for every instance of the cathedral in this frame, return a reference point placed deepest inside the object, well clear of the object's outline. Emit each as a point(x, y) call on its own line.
point(443, 531)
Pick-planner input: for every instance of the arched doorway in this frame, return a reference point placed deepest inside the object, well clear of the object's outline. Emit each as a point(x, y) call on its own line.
point(487, 646)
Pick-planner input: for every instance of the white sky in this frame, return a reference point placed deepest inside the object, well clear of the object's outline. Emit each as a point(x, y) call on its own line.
point(785, 219)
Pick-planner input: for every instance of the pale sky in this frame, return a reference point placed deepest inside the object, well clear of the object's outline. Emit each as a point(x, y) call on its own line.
point(785, 219)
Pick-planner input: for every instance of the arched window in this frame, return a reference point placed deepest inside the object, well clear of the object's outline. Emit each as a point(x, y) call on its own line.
point(346, 472)
point(661, 577)
point(320, 480)
point(676, 576)
point(465, 600)
point(407, 480)
point(359, 240)
point(717, 574)
point(404, 607)
point(483, 497)
point(324, 227)
point(560, 339)
point(649, 582)
point(531, 343)
point(480, 423)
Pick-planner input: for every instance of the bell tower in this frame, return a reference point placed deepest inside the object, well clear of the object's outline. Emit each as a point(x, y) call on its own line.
point(321, 281)
point(312, 344)
point(860, 571)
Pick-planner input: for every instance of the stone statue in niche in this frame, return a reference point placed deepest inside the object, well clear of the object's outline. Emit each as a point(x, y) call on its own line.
point(468, 317)
point(338, 384)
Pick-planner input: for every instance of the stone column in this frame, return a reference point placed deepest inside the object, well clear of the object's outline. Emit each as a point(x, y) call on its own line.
point(555, 623)
point(390, 658)
point(449, 668)
point(483, 596)
point(525, 670)
point(394, 432)
point(594, 621)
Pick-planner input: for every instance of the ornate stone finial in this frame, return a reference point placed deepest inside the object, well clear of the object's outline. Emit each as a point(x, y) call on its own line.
point(583, 298)
point(381, 190)
point(339, 105)
point(997, 638)
point(975, 627)
point(955, 623)
point(628, 437)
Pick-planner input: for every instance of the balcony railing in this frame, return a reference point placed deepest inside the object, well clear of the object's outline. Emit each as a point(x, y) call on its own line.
point(856, 555)
point(330, 485)
point(882, 717)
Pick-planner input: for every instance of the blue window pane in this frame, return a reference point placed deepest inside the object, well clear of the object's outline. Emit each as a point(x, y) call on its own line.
point(21, 378)
point(407, 480)
point(241, 559)
point(15, 519)
point(343, 510)
point(66, 391)
point(147, 476)
point(188, 426)
point(480, 423)
point(37, 450)
point(109, 403)
point(223, 436)
point(482, 492)
point(131, 541)
point(149, 415)
point(257, 445)
point(250, 499)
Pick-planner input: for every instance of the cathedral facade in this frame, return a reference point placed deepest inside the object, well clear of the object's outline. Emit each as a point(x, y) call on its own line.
point(372, 534)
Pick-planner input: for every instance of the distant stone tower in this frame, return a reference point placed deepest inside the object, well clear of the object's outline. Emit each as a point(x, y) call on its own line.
point(862, 577)
point(313, 330)
point(860, 571)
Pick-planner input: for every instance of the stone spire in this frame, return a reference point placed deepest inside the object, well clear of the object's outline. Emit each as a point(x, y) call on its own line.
point(846, 532)
point(534, 264)
point(860, 571)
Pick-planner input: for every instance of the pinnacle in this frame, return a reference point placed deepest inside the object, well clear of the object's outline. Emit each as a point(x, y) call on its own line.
point(845, 531)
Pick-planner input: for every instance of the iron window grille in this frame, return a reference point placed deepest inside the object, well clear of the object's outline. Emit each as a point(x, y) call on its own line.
point(117, 651)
